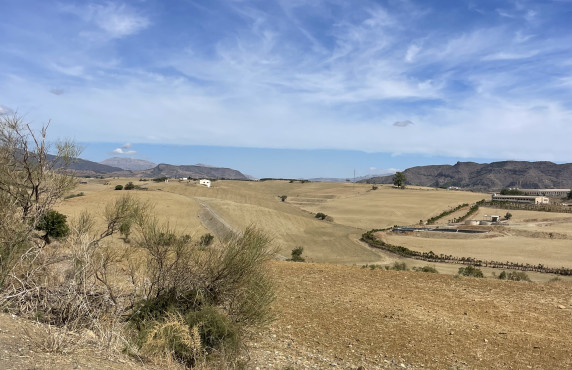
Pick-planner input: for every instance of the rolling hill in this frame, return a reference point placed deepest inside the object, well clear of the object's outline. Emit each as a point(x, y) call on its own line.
point(487, 176)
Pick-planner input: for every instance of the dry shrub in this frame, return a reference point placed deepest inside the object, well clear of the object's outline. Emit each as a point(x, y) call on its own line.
point(219, 290)
point(172, 339)
point(181, 299)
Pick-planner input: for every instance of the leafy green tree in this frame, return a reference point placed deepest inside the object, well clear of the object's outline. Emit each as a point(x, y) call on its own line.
point(54, 224)
point(508, 215)
point(129, 186)
point(399, 180)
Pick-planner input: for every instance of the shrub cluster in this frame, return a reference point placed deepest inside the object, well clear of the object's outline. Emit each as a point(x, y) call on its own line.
point(297, 255)
point(470, 271)
point(514, 276)
point(321, 216)
point(429, 269)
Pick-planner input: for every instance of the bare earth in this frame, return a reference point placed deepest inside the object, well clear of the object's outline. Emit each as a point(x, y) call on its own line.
point(331, 316)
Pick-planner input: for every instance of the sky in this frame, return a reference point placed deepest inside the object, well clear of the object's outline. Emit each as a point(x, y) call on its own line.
point(292, 88)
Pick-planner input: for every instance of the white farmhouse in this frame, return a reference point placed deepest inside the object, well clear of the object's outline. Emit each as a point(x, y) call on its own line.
point(205, 182)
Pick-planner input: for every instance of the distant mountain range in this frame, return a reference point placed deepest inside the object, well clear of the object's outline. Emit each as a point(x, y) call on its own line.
point(345, 179)
point(487, 176)
point(125, 167)
point(130, 164)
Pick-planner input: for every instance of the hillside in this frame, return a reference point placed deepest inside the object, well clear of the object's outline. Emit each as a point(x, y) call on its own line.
point(127, 167)
point(130, 164)
point(194, 171)
point(491, 176)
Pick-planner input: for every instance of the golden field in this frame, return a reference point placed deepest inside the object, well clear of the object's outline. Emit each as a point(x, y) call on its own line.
point(529, 237)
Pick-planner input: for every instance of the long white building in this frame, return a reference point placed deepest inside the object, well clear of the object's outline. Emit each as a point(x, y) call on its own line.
point(546, 192)
point(530, 199)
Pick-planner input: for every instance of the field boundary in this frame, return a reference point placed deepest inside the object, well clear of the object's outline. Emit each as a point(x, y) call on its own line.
point(374, 242)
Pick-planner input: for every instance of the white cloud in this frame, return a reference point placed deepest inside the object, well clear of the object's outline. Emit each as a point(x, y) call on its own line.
point(411, 53)
point(116, 20)
point(123, 152)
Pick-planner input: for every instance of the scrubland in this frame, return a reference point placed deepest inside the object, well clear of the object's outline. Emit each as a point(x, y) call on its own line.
point(334, 313)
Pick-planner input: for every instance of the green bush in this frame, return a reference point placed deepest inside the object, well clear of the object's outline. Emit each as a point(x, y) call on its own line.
point(429, 269)
point(297, 255)
point(514, 276)
point(471, 271)
point(217, 291)
point(508, 216)
point(283, 197)
point(129, 186)
point(206, 240)
point(118, 187)
point(321, 216)
point(54, 224)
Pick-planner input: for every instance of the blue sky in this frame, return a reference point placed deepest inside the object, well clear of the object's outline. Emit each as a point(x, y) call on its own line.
point(294, 88)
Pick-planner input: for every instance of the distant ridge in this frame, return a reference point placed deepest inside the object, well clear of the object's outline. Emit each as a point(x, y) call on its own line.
point(82, 167)
point(193, 172)
point(487, 176)
point(130, 164)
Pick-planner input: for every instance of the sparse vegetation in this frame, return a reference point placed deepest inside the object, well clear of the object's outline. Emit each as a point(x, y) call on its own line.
point(471, 271)
point(70, 196)
point(206, 239)
point(398, 266)
point(129, 186)
point(31, 182)
point(297, 255)
point(321, 216)
point(283, 197)
point(160, 179)
point(514, 276)
point(429, 269)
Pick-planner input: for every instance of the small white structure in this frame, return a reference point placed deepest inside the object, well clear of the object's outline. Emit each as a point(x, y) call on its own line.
point(183, 179)
point(205, 182)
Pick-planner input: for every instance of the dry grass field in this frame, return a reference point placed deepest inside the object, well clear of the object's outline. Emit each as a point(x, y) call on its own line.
point(529, 237)
point(330, 315)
